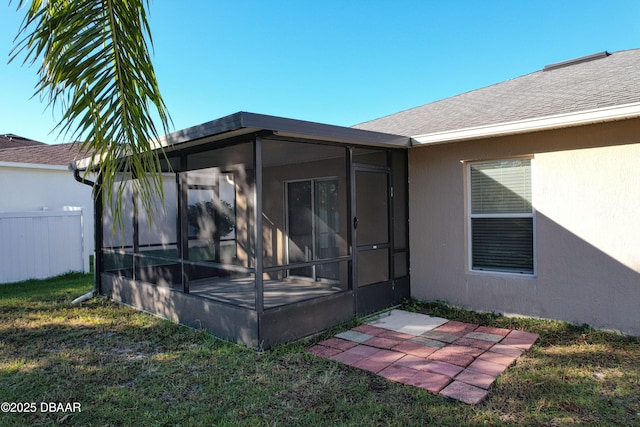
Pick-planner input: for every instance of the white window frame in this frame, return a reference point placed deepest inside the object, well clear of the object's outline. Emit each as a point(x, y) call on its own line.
point(471, 216)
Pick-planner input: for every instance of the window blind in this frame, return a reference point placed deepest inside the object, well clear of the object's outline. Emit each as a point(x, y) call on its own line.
point(502, 244)
point(501, 217)
point(501, 186)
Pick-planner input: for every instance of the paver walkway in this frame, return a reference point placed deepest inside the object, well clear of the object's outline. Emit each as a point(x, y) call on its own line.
point(455, 359)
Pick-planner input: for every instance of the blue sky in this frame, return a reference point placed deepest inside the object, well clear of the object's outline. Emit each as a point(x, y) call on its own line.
point(336, 61)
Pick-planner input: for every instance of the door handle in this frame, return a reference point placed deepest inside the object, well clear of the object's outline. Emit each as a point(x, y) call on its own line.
point(355, 222)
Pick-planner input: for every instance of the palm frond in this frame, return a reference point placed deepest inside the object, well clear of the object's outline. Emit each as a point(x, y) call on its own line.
point(97, 70)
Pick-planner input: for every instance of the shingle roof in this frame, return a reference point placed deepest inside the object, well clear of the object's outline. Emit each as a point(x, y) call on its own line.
point(60, 154)
point(607, 81)
point(10, 140)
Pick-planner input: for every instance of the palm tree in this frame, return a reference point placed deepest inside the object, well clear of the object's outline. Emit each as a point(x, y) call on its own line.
point(97, 70)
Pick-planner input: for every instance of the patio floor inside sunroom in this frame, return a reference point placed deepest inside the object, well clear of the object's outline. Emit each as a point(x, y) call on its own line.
point(241, 291)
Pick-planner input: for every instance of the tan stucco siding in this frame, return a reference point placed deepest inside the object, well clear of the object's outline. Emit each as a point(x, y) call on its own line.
point(586, 194)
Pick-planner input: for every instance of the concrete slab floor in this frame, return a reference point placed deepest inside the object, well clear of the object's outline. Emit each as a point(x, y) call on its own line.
point(454, 359)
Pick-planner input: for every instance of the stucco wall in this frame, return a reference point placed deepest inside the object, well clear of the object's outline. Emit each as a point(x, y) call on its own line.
point(586, 193)
point(33, 188)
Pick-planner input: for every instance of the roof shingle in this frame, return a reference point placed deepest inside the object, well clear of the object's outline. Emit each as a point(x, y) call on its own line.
point(608, 81)
point(59, 154)
point(10, 140)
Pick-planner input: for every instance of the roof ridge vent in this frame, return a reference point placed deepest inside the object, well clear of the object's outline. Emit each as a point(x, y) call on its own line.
point(580, 60)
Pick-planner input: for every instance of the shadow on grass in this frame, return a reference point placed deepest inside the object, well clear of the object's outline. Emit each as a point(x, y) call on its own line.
point(143, 370)
point(130, 368)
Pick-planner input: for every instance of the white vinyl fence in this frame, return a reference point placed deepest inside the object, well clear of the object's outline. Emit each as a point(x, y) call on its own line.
point(40, 244)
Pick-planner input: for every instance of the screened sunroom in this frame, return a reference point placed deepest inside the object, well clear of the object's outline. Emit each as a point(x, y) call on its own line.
point(271, 229)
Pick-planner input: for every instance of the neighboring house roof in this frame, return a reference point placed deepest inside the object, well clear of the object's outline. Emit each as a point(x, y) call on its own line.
point(598, 87)
point(10, 140)
point(59, 154)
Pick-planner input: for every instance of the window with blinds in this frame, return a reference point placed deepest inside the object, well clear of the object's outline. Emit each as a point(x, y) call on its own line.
point(501, 216)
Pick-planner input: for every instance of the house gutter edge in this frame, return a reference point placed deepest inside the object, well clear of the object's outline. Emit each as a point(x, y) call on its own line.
point(606, 114)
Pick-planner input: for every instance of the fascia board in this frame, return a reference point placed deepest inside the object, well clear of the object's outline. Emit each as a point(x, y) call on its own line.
point(606, 114)
point(33, 166)
point(245, 122)
point(323, 132)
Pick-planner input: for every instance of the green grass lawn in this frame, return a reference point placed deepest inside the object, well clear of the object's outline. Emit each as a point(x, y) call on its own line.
point(125, 367)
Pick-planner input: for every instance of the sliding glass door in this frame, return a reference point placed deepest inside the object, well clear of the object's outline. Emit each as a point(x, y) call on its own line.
point(313, 225)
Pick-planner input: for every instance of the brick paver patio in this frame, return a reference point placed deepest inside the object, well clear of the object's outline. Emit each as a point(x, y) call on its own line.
point(455, 359)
